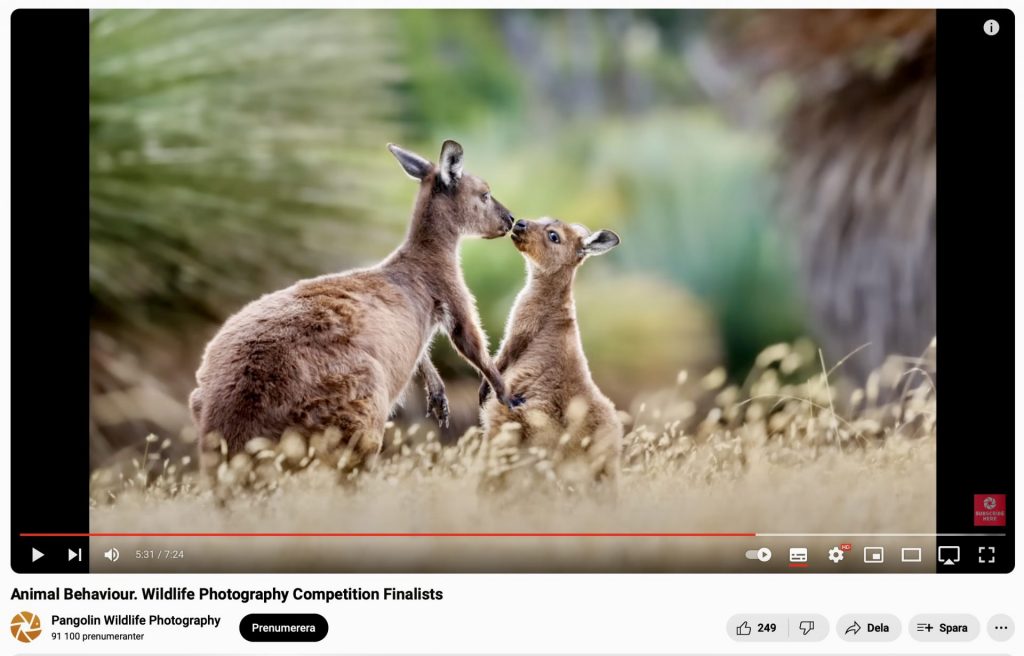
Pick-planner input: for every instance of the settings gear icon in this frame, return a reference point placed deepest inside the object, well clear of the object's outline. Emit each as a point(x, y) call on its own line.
point(835, 554)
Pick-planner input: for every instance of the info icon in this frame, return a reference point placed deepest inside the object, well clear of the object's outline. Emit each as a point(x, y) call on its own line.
point(25, 626)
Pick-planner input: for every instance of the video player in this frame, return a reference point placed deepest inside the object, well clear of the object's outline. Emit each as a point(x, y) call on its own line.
point(726, 248)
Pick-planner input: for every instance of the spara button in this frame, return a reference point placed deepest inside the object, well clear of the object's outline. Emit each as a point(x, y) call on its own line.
point(944, 628)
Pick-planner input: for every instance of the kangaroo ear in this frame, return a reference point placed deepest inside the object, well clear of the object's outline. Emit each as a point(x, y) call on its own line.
point(451, 162)
point(601, 241)
point(414, 165)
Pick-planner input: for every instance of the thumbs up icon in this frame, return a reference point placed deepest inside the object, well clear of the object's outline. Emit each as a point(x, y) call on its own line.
point(743, 629)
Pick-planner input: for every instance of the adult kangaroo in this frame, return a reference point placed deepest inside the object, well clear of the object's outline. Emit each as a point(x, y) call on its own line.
point(339, 350)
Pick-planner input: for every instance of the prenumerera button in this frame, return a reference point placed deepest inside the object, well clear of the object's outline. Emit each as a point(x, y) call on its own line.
point(283, 627)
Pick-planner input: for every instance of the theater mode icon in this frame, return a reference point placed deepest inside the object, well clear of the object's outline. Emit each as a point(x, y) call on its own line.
point(911, 554)
point(25, 626)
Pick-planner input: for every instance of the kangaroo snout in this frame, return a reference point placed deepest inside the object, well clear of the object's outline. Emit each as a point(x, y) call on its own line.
point(505, 219)
point(520, 235)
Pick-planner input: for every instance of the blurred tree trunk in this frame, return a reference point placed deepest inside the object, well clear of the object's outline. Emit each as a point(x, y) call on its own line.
point(858, 169)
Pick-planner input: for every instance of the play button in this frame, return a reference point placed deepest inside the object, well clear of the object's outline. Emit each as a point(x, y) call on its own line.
point(36, 554)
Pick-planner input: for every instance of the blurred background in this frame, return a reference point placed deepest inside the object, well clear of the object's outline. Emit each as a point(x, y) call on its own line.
point(771, 174)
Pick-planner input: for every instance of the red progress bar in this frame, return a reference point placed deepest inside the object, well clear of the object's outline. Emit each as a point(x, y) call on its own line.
point(388, 535)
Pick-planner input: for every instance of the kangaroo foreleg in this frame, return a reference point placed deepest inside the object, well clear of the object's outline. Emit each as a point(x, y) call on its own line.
point(437, 401)
point(469, 342)
point(510, 351)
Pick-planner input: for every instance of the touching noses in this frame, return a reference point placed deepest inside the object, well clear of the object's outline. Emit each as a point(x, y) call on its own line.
point(519, 227)
point(506, 219)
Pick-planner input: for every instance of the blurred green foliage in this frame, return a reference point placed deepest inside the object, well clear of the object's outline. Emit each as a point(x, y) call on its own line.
point(458, 69)
point(232, 150)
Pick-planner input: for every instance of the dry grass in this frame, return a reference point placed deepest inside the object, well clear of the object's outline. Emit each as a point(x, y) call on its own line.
point(769, 455)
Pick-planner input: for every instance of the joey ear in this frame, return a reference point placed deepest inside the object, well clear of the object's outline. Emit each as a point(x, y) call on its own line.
point(601, 241)
point(415, 166)
point(451, 162)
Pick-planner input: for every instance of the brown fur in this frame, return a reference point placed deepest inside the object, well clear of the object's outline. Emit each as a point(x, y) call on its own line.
point(340, 349)
point(542, 357)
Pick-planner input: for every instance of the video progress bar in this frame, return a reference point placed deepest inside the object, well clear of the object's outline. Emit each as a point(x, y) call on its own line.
point(387, 535)
point(503, 535)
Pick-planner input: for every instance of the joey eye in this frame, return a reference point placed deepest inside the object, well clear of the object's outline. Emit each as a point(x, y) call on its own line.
point(553, 237)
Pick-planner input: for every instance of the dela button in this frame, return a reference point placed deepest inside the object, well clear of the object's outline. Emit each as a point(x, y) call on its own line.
point(283, 627)
point(869, 628)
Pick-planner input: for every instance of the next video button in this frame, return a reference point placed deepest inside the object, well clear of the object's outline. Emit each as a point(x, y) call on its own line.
point(283, 627)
